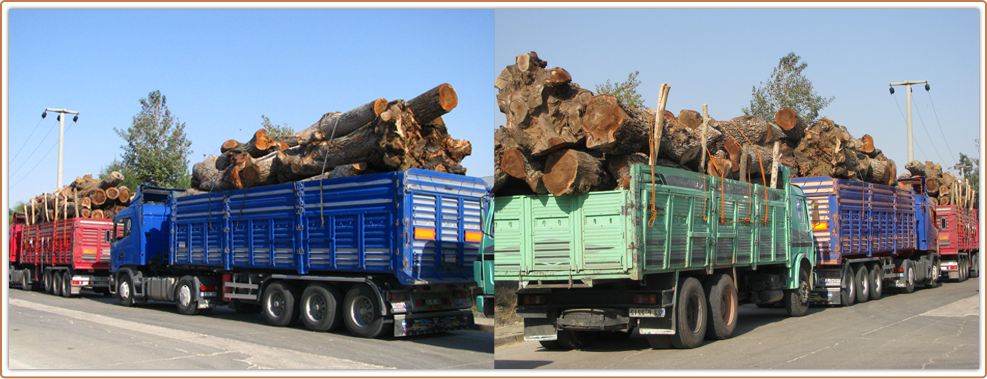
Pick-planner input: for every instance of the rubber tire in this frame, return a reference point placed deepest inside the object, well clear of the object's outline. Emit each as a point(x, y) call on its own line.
point(935, 280)
point(125, 291)
point(722, 307)
point(691, 300)
point(551, 345)
point(278, 304)
point(575, 340)
point(909, 271)
point(965, 271)
point(330, 299)
point(660, 341)
point(67, 285)
point(860, 276)
point(849, 293)
point(876, 282)
point(372, 328)
point(26, 279)
point(797, 300)
point(46, 279)
point(975, 266)
point(191, 307)
point(56, 284)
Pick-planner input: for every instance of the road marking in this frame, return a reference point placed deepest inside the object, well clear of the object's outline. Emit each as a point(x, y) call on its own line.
point(960, 308)
point(261, 356)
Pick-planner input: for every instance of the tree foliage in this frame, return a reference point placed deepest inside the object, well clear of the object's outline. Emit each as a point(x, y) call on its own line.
point(156, 148)
point(626, 91)
point(971, 167)
point(17, 207)
point(276, 130)
point(787, 87)
point(130, 179)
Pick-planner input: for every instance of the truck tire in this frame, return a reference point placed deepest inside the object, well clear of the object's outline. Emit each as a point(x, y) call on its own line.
point(861, 276)
point(849, 293)
point(361, 312)
point(67, 284)
point(26, 279)
point(184, 295)
point(660, 341)
point(551, 345)
point(690, 315)
point(722, 307)
point(125, 290)
point(964, 269)
point(797, 300)
point(975, 266)
point(320, 309)
point(56, 283)
point(876, 281)
point(46, 279)
point(909, 271)
point(278, 304)
point(575, 340)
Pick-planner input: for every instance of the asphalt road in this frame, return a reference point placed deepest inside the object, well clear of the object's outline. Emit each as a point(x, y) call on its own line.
point(94, 332)
point(936, 328)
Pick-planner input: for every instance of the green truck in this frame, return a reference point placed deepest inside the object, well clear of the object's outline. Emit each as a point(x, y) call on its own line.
point(672, 256)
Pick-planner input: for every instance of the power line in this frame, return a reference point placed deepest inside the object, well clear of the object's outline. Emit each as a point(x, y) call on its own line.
point(900, 112)
point(928, 135)
point(28, 138)
point(28, 159)
point(940, 124)
point(39, 160)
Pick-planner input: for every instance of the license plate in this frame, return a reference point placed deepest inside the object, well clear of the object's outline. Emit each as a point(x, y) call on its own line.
point(833, 281)
point(433, 307)
point(433, 301)
point(647, 312)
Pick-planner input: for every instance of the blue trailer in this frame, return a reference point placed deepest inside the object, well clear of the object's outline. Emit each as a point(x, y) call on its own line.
point(870, 235)
point(378, 253)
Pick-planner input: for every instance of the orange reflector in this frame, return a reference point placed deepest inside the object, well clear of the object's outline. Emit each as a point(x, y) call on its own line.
point(822, 225)
point(424, 234)
point(473, 236)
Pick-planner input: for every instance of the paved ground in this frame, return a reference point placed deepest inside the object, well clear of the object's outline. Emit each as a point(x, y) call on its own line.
point(936, 328)
point(93, 332)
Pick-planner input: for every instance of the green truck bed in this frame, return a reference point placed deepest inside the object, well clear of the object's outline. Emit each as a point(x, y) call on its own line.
point(575, 240)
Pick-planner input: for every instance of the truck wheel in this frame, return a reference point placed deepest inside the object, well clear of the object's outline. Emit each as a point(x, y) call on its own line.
point(964, 270)
point(67, 284)
point(551, 345)
point(184, 293)
point(26, 280)
point(46, 279)
point(320, 307)
point(909, 277)
point(56, 283)
point(660, 341)
point(975, 267)
point(722, 307)
point(690, 315)
point(849, 294)
point(863, 283)
point(797, 300)
point(361, 312)
point(278, 304)
point(125, 289)
point(876, 280)
point(573, 340)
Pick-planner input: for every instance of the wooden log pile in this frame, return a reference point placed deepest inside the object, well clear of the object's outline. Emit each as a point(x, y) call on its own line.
point(85, 197)
point(562, 139)
point(943, 187)
point(379, 136)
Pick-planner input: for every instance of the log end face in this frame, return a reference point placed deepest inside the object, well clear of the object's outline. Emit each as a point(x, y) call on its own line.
point(512, 163)
point(786, 118)
point(560, 172)
point(447, 97)
point(603, 116)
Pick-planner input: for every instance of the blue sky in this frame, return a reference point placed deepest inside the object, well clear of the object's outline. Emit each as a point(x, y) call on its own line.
point(222, 69)
point(716, 57)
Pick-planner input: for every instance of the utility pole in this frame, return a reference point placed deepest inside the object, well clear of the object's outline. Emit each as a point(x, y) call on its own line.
point(61, 135)
point(908, 108)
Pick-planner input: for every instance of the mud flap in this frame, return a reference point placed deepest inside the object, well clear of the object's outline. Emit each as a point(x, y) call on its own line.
point(540, 329)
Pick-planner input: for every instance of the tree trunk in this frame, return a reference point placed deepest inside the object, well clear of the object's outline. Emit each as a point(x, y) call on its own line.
point(97, 197)
point(620, 167)
point(572, 172)
point(124, 194)
point(113, 179)
point(336, 124)
point(433, 103)
point(112, 193)
point(752, 127)
point(613, 127)
point(825, 151)
point(791, 125)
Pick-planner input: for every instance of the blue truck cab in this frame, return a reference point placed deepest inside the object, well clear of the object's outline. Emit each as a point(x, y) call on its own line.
point(380, 253)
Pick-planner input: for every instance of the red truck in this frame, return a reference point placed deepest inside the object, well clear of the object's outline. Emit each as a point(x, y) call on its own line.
point(65, 256)
point(959, 242)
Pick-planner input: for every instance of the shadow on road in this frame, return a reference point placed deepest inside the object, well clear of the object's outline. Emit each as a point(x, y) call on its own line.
point(519, 364)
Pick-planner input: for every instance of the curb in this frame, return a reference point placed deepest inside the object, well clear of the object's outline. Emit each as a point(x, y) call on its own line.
point(485, 328)
point(507, 340)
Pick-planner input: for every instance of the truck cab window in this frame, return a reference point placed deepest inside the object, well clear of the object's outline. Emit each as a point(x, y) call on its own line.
point(122, 228)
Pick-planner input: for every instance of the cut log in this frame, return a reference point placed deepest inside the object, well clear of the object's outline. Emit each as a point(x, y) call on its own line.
point(613, 127)
point(620, 167)
point(824, 151)
point(97, 213)
point(261, 145)
point(733, 149)
point(112, 194)
point(760, 160)
point(124, 194)
point(790, 123)
point(679, 143)
point(573, 172)
point(259, 171)
point(343, 171)
point(868, 145)
point(111, 180)
point(97, 197)
point(691, 119)
point(433, 103)
point(336, 124)
point(916, 168)
point(747, 128)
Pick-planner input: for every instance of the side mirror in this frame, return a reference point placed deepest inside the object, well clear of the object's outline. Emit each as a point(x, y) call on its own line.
point(108, 236)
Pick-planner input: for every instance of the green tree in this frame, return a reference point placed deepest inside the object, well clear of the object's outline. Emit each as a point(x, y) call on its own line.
point(971, 167)
point(130, 179)
point(787, 87)
point(18, 207)
point(156, 148)
point(626, 91)
point(276, 130)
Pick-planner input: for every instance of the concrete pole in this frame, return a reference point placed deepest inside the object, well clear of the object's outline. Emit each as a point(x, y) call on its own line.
point(61, 140)
point(908, 111)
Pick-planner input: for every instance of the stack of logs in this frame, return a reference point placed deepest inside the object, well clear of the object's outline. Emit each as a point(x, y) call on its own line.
point(379, 136)
point(943, 187)
point(563, 139)
point(85, 197)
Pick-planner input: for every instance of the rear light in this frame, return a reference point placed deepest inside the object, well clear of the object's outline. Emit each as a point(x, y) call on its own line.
point(473, 236)
point(829, 274)
point(207, 288)
point(899, 269)
point(534, 299)
point(645, 299)
point(397, 296)
point(424, 234)
point(951, 267)
point(822, 225)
